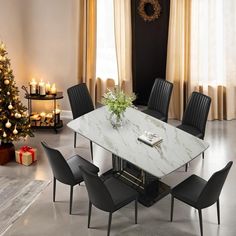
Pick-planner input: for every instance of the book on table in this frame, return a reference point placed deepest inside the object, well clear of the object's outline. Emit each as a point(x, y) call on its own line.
point(150, 139)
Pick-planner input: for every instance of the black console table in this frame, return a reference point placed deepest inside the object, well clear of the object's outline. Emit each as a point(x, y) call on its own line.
point(57, 123)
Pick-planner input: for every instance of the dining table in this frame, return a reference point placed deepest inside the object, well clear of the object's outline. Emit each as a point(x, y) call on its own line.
point(134, 162)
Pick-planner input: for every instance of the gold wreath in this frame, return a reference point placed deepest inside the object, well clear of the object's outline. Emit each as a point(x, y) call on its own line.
point(156, 8)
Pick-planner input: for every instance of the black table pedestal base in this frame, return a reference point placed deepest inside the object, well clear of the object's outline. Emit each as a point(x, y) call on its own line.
point(152, 191)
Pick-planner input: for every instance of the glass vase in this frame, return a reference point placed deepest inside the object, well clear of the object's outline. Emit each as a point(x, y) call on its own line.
point(116, 119)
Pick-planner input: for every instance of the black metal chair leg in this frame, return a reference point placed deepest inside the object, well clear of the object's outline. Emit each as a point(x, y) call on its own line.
point(203, 155)
point(91, 149)
point(71, 198)
point(75, 135)
point(136, 211)
point(54, 189)
point(218, 210)
point(172, 208)
point(186, 167)
point(200, 221)
point(109, 223)
point(89, 213)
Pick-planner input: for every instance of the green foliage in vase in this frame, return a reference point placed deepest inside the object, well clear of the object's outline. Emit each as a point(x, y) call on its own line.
point(14, 120)
point(117, 101)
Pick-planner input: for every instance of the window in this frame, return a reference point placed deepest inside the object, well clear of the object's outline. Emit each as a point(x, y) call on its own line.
point(106, 63)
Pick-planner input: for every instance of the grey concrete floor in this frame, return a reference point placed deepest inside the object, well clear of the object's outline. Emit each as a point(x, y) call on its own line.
point(47, 218)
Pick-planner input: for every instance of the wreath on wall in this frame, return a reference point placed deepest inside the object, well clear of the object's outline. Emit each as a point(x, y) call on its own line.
point(149, 10)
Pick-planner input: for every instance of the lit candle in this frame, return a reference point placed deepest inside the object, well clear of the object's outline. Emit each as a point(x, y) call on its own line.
point(42, 89)
point(33, 87)
point(53, 89)
point(48, 88)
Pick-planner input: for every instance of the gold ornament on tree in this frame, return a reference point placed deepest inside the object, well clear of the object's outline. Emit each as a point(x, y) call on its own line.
point(8, 124)
point(15, 131)
point(10, 106)
point(6, 81)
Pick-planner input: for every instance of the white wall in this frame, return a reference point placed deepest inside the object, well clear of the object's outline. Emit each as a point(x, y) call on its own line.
point(11, 33)
point(41, 38)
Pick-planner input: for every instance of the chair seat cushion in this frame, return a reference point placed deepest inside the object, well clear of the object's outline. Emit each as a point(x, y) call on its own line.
point(189, 190)
point(75, 161)
point(158, 115)
point(121, 193)
point(191, 130)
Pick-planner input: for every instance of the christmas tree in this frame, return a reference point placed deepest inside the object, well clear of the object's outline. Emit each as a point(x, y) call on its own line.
point(14, 121)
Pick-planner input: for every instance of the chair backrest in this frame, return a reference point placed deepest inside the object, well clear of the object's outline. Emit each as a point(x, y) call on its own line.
point(159, 99)
point(60, 168)
point(197, 110)
point(211, 192)
point(80, 100)
point(97, 191)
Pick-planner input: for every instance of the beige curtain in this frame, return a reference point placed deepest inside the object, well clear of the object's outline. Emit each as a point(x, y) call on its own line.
point(87, 45)
point(213, 54)
point(177, 70)
point(202, 54)
point(123, 42)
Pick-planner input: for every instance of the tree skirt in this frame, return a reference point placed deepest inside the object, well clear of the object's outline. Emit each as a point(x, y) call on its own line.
point(16, 195)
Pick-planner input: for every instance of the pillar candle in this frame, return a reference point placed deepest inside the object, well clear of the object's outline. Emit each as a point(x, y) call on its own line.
point(42, 89)
point(48, 88)
point(53, 89)
point(33, 87)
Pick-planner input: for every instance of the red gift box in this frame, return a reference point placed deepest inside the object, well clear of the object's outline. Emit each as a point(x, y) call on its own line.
point(26, 155)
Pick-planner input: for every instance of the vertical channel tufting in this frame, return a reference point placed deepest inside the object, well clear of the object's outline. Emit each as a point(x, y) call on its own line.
point(160, 96)
point(197, 110)
point(80, 100)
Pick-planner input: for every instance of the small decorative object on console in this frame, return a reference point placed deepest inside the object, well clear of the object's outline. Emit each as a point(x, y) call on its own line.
point(117, 102)
point(26, 155)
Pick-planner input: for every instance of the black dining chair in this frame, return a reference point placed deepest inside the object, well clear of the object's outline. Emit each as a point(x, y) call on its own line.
point(81, 103)
point(67, 171)
point(195, 116)
point(159, 100)
point(200, 193)
point(109, 195)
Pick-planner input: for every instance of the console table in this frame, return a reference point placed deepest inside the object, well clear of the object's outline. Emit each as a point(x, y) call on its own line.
point(59, 95)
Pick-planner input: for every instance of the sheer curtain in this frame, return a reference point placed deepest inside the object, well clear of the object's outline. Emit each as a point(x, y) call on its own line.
point(113, 61)
point(123, 42)
point(212, 55)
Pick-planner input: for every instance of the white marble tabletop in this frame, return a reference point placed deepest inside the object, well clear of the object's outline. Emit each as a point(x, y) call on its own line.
point(177, 148)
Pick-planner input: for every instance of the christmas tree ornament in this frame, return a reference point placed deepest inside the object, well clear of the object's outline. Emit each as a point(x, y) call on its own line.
point(4, 135)
point(8, 124)
point(6, 81)
point(2, 58)
point(15, 131)
point(2, 46)
point(10, 106)
point(8, 93)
